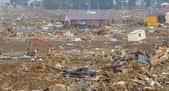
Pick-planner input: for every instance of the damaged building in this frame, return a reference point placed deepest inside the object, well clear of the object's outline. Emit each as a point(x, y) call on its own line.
point(85, 20)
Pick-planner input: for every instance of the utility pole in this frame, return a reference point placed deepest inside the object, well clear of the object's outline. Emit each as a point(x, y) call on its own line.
point(98, 5)
point(142, 4)
point(79, 4)
point(41, 8)
point(61, 2)
point(89, 4)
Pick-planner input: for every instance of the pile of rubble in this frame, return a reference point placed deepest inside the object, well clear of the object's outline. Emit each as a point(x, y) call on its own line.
point(87, 73)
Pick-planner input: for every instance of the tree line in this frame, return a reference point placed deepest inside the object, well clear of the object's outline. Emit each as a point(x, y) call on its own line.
point(96, 4)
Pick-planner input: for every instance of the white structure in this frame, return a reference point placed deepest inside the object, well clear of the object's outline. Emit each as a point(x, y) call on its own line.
point(33, 1)
point(167, 18)
point(5, 1)
point(165, 4)
point(137, 35)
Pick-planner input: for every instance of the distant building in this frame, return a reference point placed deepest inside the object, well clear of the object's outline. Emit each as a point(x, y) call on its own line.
point(34, 2)
point(5, 1)
point(83, 20)
point(3, 8)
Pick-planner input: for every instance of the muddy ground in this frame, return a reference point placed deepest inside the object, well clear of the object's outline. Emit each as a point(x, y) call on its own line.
point(21, 75)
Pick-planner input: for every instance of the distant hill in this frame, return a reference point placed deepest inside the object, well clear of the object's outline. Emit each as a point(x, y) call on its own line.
point(96, 4)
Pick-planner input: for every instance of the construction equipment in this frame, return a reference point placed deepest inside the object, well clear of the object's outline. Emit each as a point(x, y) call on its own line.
point(38, 47)
point(151, 21)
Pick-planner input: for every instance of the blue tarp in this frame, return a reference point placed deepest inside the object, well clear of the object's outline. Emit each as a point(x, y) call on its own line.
point(94, 87)
point(83, 26)
point(25, 28)
point(29, 28)
point(143, 59)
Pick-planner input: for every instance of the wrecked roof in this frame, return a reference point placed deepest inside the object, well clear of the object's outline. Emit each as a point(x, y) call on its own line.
point(86, 16)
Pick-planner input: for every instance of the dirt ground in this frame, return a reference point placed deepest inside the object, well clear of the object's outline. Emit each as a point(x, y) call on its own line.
point(21, 75)
point(93, 51)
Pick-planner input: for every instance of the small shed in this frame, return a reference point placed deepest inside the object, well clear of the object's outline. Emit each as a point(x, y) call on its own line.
point(137, 35)
point(83, 20)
